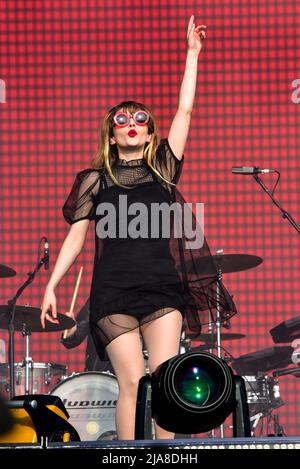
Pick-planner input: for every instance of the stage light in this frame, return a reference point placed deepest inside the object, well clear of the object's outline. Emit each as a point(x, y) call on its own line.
point(37, 418)
point(192, 393)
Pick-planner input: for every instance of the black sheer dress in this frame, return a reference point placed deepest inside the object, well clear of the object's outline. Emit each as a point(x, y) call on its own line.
point(142, 271)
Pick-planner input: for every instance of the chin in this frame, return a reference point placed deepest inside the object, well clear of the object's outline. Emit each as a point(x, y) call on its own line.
point(134, 142)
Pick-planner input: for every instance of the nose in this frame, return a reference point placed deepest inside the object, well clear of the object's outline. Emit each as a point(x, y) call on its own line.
point(131, 122)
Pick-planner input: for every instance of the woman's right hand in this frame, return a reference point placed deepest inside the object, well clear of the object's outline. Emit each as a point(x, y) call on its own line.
point(49, 306)
point(195, 35)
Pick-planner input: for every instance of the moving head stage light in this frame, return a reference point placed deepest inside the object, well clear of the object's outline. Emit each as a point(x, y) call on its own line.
point(194, 393)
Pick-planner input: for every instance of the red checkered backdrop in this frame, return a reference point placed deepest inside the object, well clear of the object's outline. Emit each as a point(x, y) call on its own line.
point(64, 63)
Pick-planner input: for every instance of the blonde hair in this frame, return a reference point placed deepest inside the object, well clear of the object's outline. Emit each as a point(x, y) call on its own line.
point(107, 154)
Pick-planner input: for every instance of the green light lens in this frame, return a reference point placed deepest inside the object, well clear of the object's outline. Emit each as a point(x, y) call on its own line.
point(195, 386)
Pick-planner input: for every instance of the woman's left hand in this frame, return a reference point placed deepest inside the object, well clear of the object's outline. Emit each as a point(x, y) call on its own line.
point(195, 35)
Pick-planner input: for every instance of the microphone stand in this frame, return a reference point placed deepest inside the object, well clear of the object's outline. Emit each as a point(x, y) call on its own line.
point(11, 328)
point(284, 213)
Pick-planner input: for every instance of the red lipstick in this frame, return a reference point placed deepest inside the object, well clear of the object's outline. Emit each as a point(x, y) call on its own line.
point(132, 133)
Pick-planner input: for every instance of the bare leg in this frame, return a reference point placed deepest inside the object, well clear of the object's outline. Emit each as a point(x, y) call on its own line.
point(125, 354)
point(162, 338)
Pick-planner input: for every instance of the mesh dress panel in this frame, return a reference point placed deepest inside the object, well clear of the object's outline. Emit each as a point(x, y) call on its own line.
point(138, 280)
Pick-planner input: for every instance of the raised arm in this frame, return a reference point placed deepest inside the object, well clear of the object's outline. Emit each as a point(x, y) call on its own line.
point(70, 249)
point(180, 125)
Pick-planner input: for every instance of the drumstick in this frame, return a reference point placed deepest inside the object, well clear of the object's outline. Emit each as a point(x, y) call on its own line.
point(74, 298)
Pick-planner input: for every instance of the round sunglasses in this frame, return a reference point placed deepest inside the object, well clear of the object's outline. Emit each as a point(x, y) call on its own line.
point(121, 118)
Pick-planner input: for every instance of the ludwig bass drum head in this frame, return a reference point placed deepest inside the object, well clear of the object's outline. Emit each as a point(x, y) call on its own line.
point(90, 399)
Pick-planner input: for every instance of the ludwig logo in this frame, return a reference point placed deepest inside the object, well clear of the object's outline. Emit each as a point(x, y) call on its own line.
point(89, 404)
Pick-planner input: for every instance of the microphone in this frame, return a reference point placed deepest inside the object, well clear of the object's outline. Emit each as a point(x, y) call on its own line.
point(46, 253)
point(250, 170)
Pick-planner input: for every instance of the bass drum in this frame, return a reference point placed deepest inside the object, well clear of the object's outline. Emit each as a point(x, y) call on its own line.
point(90, 399)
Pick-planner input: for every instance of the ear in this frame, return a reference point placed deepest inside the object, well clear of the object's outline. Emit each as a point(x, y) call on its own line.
point(112, 140)
point(148, 139)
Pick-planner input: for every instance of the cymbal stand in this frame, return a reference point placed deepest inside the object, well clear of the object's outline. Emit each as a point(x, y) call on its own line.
point(184, 342)
point(218, 318)
point(217, 325)
point(28, 362)
point(255, 419)
point(11, 328)
point(278, 429)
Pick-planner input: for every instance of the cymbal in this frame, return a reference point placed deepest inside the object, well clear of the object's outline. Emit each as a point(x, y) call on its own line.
point(6, 271)
point(225, 262)
point(31, 317)
point(286, 331)
point(212, 338)
point(264, 360)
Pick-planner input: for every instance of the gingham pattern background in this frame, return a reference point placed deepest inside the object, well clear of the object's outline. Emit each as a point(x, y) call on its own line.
point(65, 62)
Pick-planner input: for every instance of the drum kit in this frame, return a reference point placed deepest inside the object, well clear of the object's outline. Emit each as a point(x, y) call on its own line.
point(259, 369)
point(90, 397)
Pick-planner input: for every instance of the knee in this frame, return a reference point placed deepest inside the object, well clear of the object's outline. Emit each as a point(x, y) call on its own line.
point(129, 385)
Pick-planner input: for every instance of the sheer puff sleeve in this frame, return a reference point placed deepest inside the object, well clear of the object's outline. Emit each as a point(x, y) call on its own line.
point(166, 162)
point(80, 202)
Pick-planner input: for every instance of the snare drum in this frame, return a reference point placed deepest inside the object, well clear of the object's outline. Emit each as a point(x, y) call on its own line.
point(90, 399)
point(262, 393)
point(41, 377)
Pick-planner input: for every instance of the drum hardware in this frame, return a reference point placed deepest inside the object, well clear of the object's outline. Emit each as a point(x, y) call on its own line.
point(18, 375)
point(27, 320)
point(263, 397)
point(27, 359)
point(47, 378)
point(36, 375)
point(110, 435)
point(255, 419)
point(146, 358)
point(222, 263)
point(278, 429)
point(185, 342)
point(263, 392)
point(42, 377)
